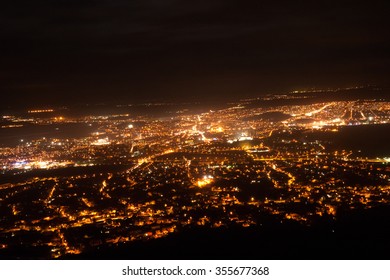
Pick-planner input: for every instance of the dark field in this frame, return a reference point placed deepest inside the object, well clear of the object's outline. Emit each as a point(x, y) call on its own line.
point(363, 140)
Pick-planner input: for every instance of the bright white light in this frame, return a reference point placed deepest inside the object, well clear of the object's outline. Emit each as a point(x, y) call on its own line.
point(245, 138)
point(101, 142)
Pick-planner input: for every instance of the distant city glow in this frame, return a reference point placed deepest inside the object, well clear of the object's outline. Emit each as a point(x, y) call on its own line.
point(41, 111)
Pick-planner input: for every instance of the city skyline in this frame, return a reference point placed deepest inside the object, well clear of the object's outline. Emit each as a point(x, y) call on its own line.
point(140, 179)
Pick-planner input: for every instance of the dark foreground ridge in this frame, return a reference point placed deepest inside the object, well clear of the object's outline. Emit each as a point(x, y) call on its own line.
point(356, 235)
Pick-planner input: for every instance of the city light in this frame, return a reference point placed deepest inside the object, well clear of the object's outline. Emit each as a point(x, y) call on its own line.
point(206, 180)
point(217, 169)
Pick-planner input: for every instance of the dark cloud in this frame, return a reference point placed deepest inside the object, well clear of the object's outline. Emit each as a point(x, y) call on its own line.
point(135, 50)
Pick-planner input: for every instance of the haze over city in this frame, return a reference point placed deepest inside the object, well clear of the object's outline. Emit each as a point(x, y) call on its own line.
point(95, 51)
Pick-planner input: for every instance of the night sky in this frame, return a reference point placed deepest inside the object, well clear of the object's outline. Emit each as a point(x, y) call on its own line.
point(64, 51)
